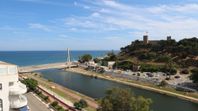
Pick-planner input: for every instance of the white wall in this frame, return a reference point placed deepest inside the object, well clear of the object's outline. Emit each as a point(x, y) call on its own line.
point(8, 73)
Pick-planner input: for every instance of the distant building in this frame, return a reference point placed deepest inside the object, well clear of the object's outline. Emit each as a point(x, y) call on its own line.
point(11, 89)
point(169, 38)
point(91, 63)
point(147, 41)
point(145, 38)
point(110, 64)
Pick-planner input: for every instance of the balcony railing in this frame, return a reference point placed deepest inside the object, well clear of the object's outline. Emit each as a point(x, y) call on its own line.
point(17, 89)
point(18, 101)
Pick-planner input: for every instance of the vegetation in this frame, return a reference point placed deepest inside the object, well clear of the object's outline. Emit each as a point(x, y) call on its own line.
point(57, 107)
point(85, 58)
point(30, 83)
point(118, 99)
point(111, 56)
point(42, 96)
point(157, 68)
point(183, 53)
point(81, 104)
point(163, 83)
point(194, 76)
point(126, 65)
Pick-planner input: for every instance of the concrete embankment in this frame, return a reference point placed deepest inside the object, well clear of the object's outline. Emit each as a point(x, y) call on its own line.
point(142, 86)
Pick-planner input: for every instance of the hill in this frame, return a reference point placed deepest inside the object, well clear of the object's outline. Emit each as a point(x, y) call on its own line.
point(183, 54)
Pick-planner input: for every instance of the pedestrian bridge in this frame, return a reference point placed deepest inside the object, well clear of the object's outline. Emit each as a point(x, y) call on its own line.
point(46, 66)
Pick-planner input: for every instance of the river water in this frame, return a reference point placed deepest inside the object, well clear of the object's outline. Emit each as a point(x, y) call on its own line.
point(96, 88)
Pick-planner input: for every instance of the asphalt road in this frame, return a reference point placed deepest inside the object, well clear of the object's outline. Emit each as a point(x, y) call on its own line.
point(34, 104)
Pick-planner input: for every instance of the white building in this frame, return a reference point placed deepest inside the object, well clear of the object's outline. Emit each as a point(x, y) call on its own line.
point(11, 89)
point(110, 64)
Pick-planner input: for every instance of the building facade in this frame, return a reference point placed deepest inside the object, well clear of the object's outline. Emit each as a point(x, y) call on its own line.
point(11, 89)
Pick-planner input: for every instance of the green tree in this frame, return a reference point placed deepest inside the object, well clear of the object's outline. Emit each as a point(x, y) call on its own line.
point(163, 83)
point(118, 99)
point(81, 104)
point(170, 68)
point(96, 60)
point(194, 75)
point(30, 83)
point(85, 58)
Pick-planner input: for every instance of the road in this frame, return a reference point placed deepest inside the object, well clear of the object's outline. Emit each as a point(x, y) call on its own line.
point(34, 104)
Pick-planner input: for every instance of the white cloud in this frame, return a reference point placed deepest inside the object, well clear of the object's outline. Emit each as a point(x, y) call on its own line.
point(38, 26)
point(162, 20)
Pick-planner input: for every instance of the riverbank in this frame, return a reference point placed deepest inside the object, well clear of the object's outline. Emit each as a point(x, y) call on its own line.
point(64, 92)
point(162, 90)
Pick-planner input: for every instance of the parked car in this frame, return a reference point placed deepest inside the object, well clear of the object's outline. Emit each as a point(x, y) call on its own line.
point(149, 74)
point(177, 77)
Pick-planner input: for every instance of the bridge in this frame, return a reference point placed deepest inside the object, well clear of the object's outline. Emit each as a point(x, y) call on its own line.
point(60, 65)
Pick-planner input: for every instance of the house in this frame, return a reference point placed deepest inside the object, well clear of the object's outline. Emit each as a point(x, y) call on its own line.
point(110, 64)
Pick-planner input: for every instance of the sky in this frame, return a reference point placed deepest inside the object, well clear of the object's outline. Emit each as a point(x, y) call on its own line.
point(92, 24)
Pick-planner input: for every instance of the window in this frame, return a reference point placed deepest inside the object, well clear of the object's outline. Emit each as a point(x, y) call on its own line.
point(12, 70)
point(11, 83)
point(3, 70)
point(1, 105)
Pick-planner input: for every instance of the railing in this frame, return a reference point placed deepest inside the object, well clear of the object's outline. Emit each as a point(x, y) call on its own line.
point(63, 103)
point(17, 89)
point(18, 101)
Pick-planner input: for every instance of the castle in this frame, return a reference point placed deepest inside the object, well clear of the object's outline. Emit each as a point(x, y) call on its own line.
point(147, 41)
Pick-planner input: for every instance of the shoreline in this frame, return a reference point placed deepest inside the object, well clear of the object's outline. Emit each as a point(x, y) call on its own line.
point(161, 91)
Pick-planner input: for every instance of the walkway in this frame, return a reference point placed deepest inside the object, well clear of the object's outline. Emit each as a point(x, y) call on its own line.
point(72, 94)
point(67, 104)
point(35, 104)
point(44, 66)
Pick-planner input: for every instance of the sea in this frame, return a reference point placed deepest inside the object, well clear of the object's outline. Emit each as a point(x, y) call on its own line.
point(27, 58)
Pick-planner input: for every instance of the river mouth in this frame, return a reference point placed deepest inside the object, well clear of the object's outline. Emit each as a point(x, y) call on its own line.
point(96, 88)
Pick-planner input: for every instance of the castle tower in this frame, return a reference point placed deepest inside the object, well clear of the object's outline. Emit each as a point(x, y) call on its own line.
point(168, 37)
point(145, 38)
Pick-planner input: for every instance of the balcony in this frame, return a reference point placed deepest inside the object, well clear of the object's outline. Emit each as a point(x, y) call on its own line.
point(17, 89)
point(18, 101)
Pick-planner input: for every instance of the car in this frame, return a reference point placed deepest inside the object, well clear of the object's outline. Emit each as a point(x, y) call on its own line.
point(149, 74)
point(177, 77)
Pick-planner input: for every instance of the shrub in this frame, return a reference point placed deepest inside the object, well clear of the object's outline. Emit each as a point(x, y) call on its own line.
point(55, 103)
point(163, 83)
point(194, 76)
point(83, 103)
point(163, 58)
point(77, 105)
point(31, 83)
point(46, 98)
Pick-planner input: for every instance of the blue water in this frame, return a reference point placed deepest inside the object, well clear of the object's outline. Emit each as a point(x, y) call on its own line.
point(25, 58)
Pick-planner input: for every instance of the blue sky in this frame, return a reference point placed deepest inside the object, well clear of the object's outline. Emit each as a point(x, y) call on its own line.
point(92, 24)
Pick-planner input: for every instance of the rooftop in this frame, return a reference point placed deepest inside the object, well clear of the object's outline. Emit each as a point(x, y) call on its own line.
point(5, 63)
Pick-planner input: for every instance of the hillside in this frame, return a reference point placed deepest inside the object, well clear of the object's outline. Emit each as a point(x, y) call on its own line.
point(183, 53)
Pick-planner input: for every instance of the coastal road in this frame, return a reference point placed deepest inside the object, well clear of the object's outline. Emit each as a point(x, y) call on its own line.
point(35, 104)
